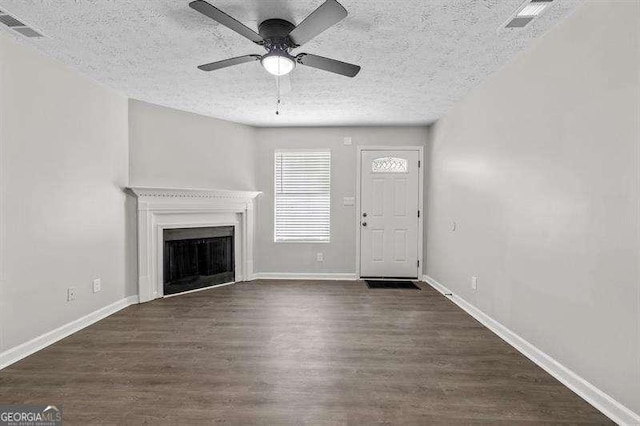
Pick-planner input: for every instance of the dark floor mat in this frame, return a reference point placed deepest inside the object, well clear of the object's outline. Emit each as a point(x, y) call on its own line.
point(396, 285)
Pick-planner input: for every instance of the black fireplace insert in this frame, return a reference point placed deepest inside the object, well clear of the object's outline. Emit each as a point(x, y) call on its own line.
point(195, 258)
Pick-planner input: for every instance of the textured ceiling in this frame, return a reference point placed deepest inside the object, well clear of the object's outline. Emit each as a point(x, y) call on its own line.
point(418, 57)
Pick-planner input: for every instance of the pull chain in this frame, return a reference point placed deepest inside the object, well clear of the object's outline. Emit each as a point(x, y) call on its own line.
point(278, 95)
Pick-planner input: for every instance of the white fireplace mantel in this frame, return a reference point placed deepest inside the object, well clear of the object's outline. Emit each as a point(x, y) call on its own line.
point(166, 208)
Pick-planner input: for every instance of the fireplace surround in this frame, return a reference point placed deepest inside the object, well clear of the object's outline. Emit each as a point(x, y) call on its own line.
point(161, 209)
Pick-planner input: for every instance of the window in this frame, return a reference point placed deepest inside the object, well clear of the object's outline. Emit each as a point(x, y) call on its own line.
point(389, 165)
point(302, 196)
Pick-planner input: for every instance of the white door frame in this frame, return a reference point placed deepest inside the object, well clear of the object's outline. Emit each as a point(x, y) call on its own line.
point(420, 150)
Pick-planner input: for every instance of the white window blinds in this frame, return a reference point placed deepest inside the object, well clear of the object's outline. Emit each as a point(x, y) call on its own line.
point(302, 196)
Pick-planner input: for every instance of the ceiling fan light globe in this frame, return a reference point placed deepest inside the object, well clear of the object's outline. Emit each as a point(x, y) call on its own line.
point(278, 65)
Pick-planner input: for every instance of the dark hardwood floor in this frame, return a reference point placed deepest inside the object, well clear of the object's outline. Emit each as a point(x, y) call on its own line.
point(286, 352)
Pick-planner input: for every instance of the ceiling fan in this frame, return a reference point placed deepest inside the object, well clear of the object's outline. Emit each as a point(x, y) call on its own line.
point(279, 37)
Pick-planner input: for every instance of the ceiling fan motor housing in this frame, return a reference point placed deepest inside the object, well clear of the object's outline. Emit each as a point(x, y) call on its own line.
point(275, 33)
point(276, 30)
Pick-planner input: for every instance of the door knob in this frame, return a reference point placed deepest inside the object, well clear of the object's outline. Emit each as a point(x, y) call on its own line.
point(364, 223)
point(364, 215)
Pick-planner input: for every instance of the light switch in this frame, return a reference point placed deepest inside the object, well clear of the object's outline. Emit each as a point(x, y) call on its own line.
point(97, 285)
point(349, 201)
point(347, 141)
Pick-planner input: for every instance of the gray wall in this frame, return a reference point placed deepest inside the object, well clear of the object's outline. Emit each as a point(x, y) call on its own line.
point(540, 169)
point(339, 254)
point(176, 149)
point(64, 161)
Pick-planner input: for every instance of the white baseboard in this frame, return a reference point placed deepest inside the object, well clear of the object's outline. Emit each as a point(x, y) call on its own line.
point(19, 352)
point(300, 276)
point(594, 396)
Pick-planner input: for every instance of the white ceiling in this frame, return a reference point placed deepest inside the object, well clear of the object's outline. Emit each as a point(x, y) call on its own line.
point(418, 57)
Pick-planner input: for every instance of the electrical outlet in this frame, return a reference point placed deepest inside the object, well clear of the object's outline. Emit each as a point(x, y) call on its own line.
point(320, 257)
point(71, 294)
point(474, 283)
point(97, 285)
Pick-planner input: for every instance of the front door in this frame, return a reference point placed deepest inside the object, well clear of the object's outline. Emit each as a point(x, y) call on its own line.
point(389, 213)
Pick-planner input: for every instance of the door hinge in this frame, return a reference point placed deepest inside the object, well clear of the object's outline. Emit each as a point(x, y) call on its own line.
point(418, 163)
point(418, 263)
point(418, 213)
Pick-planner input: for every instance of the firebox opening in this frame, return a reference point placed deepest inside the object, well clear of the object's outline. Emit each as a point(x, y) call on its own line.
point(196, 258)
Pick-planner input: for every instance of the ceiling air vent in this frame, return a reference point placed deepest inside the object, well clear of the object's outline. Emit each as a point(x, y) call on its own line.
point(527, 13)
point(10, 21)
point(17, 25)
point(28, 32)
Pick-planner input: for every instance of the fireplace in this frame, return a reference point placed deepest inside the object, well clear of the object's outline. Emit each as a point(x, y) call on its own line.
point(195, 258)
point(161, 209)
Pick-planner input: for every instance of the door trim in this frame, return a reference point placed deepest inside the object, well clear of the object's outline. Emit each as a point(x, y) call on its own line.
point(420, 150)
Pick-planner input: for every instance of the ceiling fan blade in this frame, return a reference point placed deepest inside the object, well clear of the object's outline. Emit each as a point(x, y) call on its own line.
point(229, 62)
point(226, 20)
point(328, 64)
point(328, 14)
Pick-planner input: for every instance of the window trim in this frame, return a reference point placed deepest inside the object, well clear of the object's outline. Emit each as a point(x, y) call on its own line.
point(275, 205)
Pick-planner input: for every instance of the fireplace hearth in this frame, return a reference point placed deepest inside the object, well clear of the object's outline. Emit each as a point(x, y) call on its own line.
point(196, 258)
